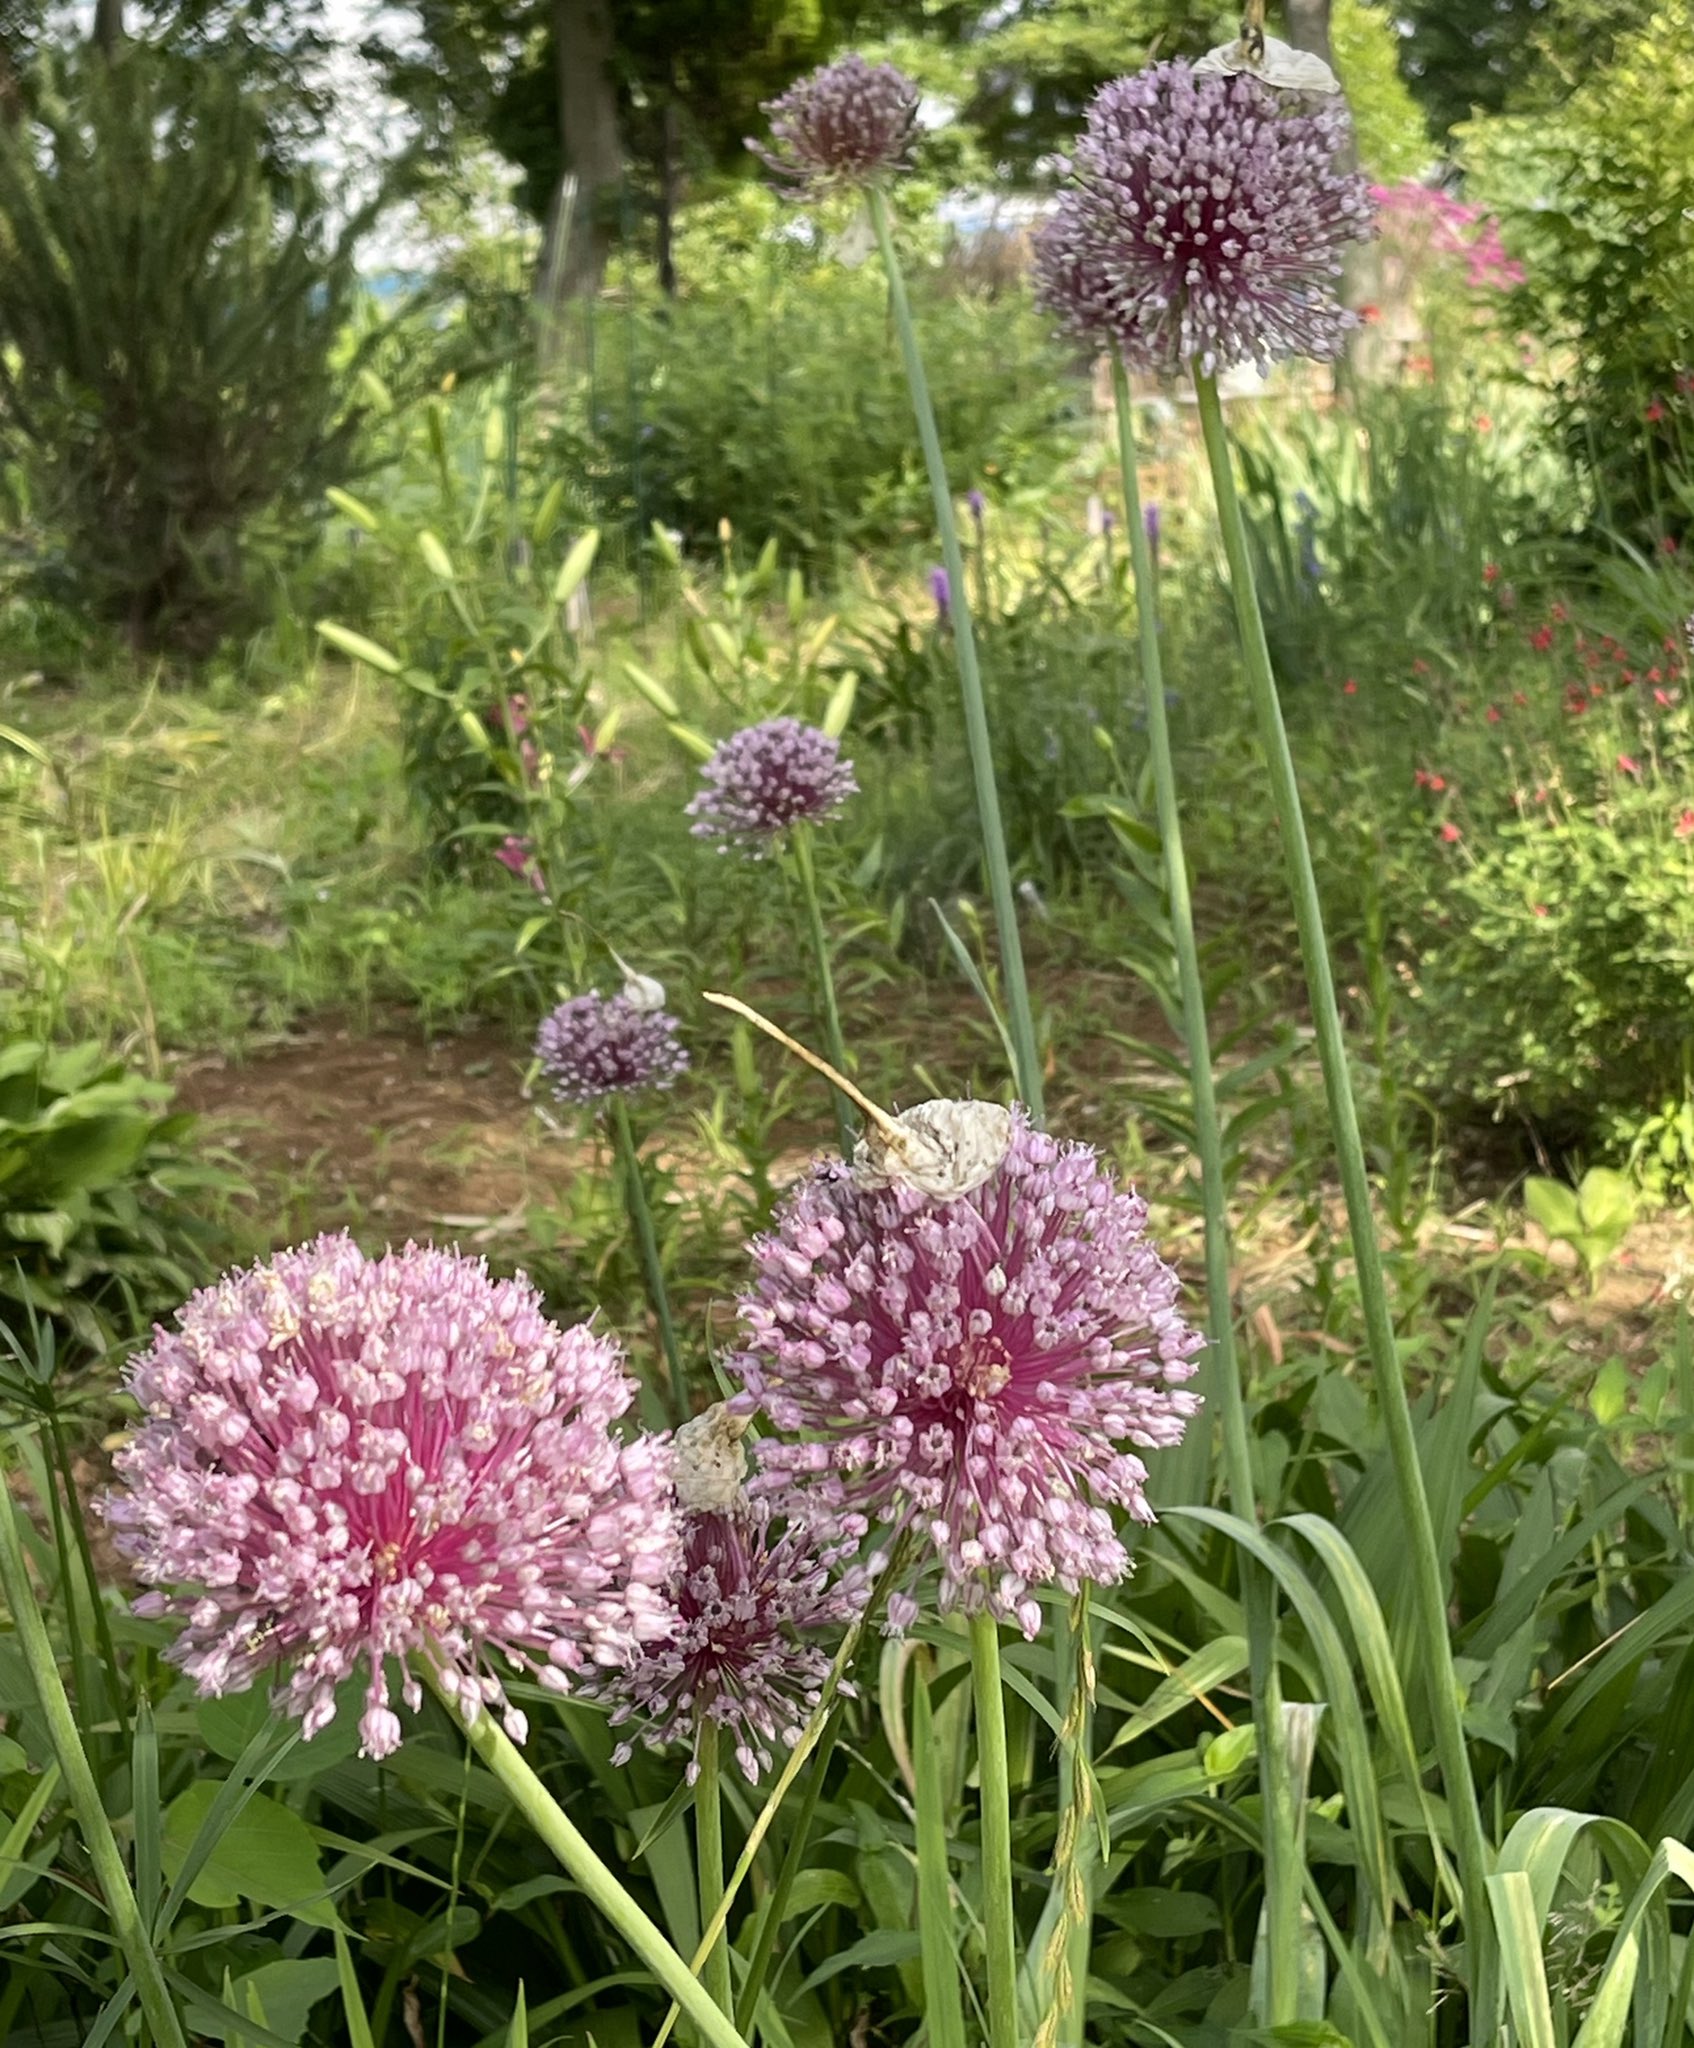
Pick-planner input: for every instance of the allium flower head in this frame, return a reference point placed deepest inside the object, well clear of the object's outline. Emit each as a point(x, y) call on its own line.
point(764, 779)
point(347, 1460)
point(756, 1610)
point(596, 1046)
point(1205, 219)
point(841, 125)
point(969, 1368)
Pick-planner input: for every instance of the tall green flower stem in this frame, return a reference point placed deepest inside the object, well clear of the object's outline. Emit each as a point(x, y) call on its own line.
point(805, 870)
point(597, 1884)
point(641, 1221)
point(1435, 1647)
point(708, 1862)
point(994, 1778)
point(773, 1912)
point(1020, 1017)
point(122, 1908)
point(1223, 1382)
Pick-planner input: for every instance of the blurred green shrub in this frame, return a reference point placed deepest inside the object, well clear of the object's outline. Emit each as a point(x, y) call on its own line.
point(770, 395)
point(172, 304)
point(1597, 199)
point(95, 1233)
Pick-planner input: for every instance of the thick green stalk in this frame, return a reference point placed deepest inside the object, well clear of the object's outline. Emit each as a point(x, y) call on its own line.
point(1021, 1018)
point(994, 1779)
point(1223, 1379)
point(158, 2010)
point(641, 1218)
point(708, 1861)
point(1436, 1651)
point(834, 1043)
point(596, 1883)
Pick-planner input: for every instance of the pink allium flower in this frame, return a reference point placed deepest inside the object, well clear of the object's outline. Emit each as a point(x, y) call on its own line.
point(970, 1368)
point(347, 1460)
point(1205, 220)
point(595, 1046)
point(767, 777)
point(841, 125)
point(756, 1614)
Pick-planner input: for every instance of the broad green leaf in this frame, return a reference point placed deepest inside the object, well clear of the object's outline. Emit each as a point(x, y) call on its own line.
point(278, 1995)
point(265, 1854)
point(1553, 1206)
point(1519, 1926)
point(944, 2011)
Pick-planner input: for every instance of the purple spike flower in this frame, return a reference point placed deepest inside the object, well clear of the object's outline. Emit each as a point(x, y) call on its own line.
point(595, 1046)
point(347, 1460)
point(1205, 221)
point(1151, 519)
point(941, 589)
point(755, 1613)
point(969, 1369)
point(841, 125)
point(977, 505)
point(767, 777)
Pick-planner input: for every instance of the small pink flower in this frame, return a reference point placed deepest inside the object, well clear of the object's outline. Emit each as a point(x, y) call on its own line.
point(1349, 688)
point(519, 855)
point(1628, 765)
point(1493, 714)
point(1664, 699)
point(1654, 413)
point(1491, 572)
point(1539, 909)
point(1541, 639)
point(1451, 833)
point(1684, 826)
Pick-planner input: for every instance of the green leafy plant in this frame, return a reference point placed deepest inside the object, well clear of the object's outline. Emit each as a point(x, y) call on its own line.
point(173, 335)
point(1593, 1218)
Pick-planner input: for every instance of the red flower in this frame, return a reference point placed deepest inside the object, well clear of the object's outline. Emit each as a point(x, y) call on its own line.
point(1519, 699)
point(1349, 688)
point(1559, 614)
point(1541, 639)
point(1540, 909)
point(1668, 545)
point(1655, 675)
point(1664, 699)
point(1628, 765)
point(1491, 572)
point(1493, 714)
point(1370, 315)
point(1684, 826)
point(1450, 832)
point(1654, 413)
point(1484, 425)
point(1541, 794)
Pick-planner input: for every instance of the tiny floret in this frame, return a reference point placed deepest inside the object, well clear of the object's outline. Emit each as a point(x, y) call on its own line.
point(843, 124)
point(969, 1367)
point(764, 779)
point(1204, 221)
point(758, 1611)
point(347, 1461)
point(595, 1046)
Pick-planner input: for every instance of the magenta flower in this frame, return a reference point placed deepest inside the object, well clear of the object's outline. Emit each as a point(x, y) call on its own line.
point(347, 1460)
point(1204, 221)
point(844, 124)
point(757, 1615)
point(518, 855)
point(969, 1369)
point(596, 1046)
point(766, 778)
point(941, 590)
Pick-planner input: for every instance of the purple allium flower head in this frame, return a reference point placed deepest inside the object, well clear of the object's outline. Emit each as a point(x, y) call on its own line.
point(841, 125)
point(1205, 219)
point(941, 589)
point(595, 1046)
point(756, 1610)
point(767, 777)
point(969, 1368)
point(347, 1460)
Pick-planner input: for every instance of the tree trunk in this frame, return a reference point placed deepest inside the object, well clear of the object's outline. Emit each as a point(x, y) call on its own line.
point(108, 25)
point(593, 149)
point(1361, 277)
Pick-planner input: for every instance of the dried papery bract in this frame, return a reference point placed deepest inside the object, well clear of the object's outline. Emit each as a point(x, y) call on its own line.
point(348, 1461)
point(1204, 221)
point(843, 125)
point(973, 1367)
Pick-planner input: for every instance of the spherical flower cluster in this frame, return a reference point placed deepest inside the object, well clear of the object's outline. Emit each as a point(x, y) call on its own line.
point(1205, 220)
point(841, 125)
point(347, 1460)
point(596, 1046)
point(969, 1369)
point(764, 779)
point(750, 1652)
